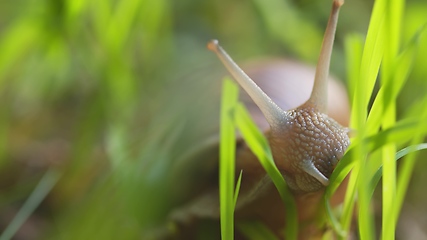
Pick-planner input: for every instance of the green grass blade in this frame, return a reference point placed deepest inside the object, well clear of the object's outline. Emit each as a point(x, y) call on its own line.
point(353, 50)
point(369, 68)
point(389, 185)
point(390, 91)
point(259, 146)
point(413, 148)
point(238, 183)
point(400, 154)
point(341, 171)
point(371, 59)
point(401, 132)
point(408, 166)
point(332, 220)
point(43, 188)
point(392, 23)
point(227, 159)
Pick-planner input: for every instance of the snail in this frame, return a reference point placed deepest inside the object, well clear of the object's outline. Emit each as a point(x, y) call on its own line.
point(306, 142)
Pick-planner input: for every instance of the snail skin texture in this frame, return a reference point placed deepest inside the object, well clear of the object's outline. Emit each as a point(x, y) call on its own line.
point(306, 136)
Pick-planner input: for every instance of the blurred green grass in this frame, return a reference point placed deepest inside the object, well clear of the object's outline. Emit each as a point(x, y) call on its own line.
point(112, 96)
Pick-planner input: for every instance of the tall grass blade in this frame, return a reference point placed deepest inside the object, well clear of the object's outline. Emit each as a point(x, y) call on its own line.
point(353, 50)
point(392, 24)
point(259, 146)
point(332, 220)
point(399, 155)
point(43, 188)
point(401, 68)
point(238, 183)
point(371, 59)
point(401, 132)
point(227, 159)
point(408, 165)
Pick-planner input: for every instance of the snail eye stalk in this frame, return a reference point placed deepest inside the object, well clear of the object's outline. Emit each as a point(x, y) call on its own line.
point(273, 113)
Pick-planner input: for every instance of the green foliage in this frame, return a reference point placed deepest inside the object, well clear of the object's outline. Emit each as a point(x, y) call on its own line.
point(379, 126)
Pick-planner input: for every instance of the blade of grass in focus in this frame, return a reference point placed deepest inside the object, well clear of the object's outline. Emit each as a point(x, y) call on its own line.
point(260, 147)
point(392, 24)
point(401, 132)
point(399, 155)
point(332, 219)
point(236, 192)
point(353, 49)
point(369, 67)
point(385, 21)
point(227, 158)
point(407, 167)
point(400, 71)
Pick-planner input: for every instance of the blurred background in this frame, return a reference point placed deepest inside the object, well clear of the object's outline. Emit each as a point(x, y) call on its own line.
point(103, 102)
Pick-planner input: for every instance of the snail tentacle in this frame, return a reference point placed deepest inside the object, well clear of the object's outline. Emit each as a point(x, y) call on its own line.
point(318, 98)
point(273, 113)
point(309, 167)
